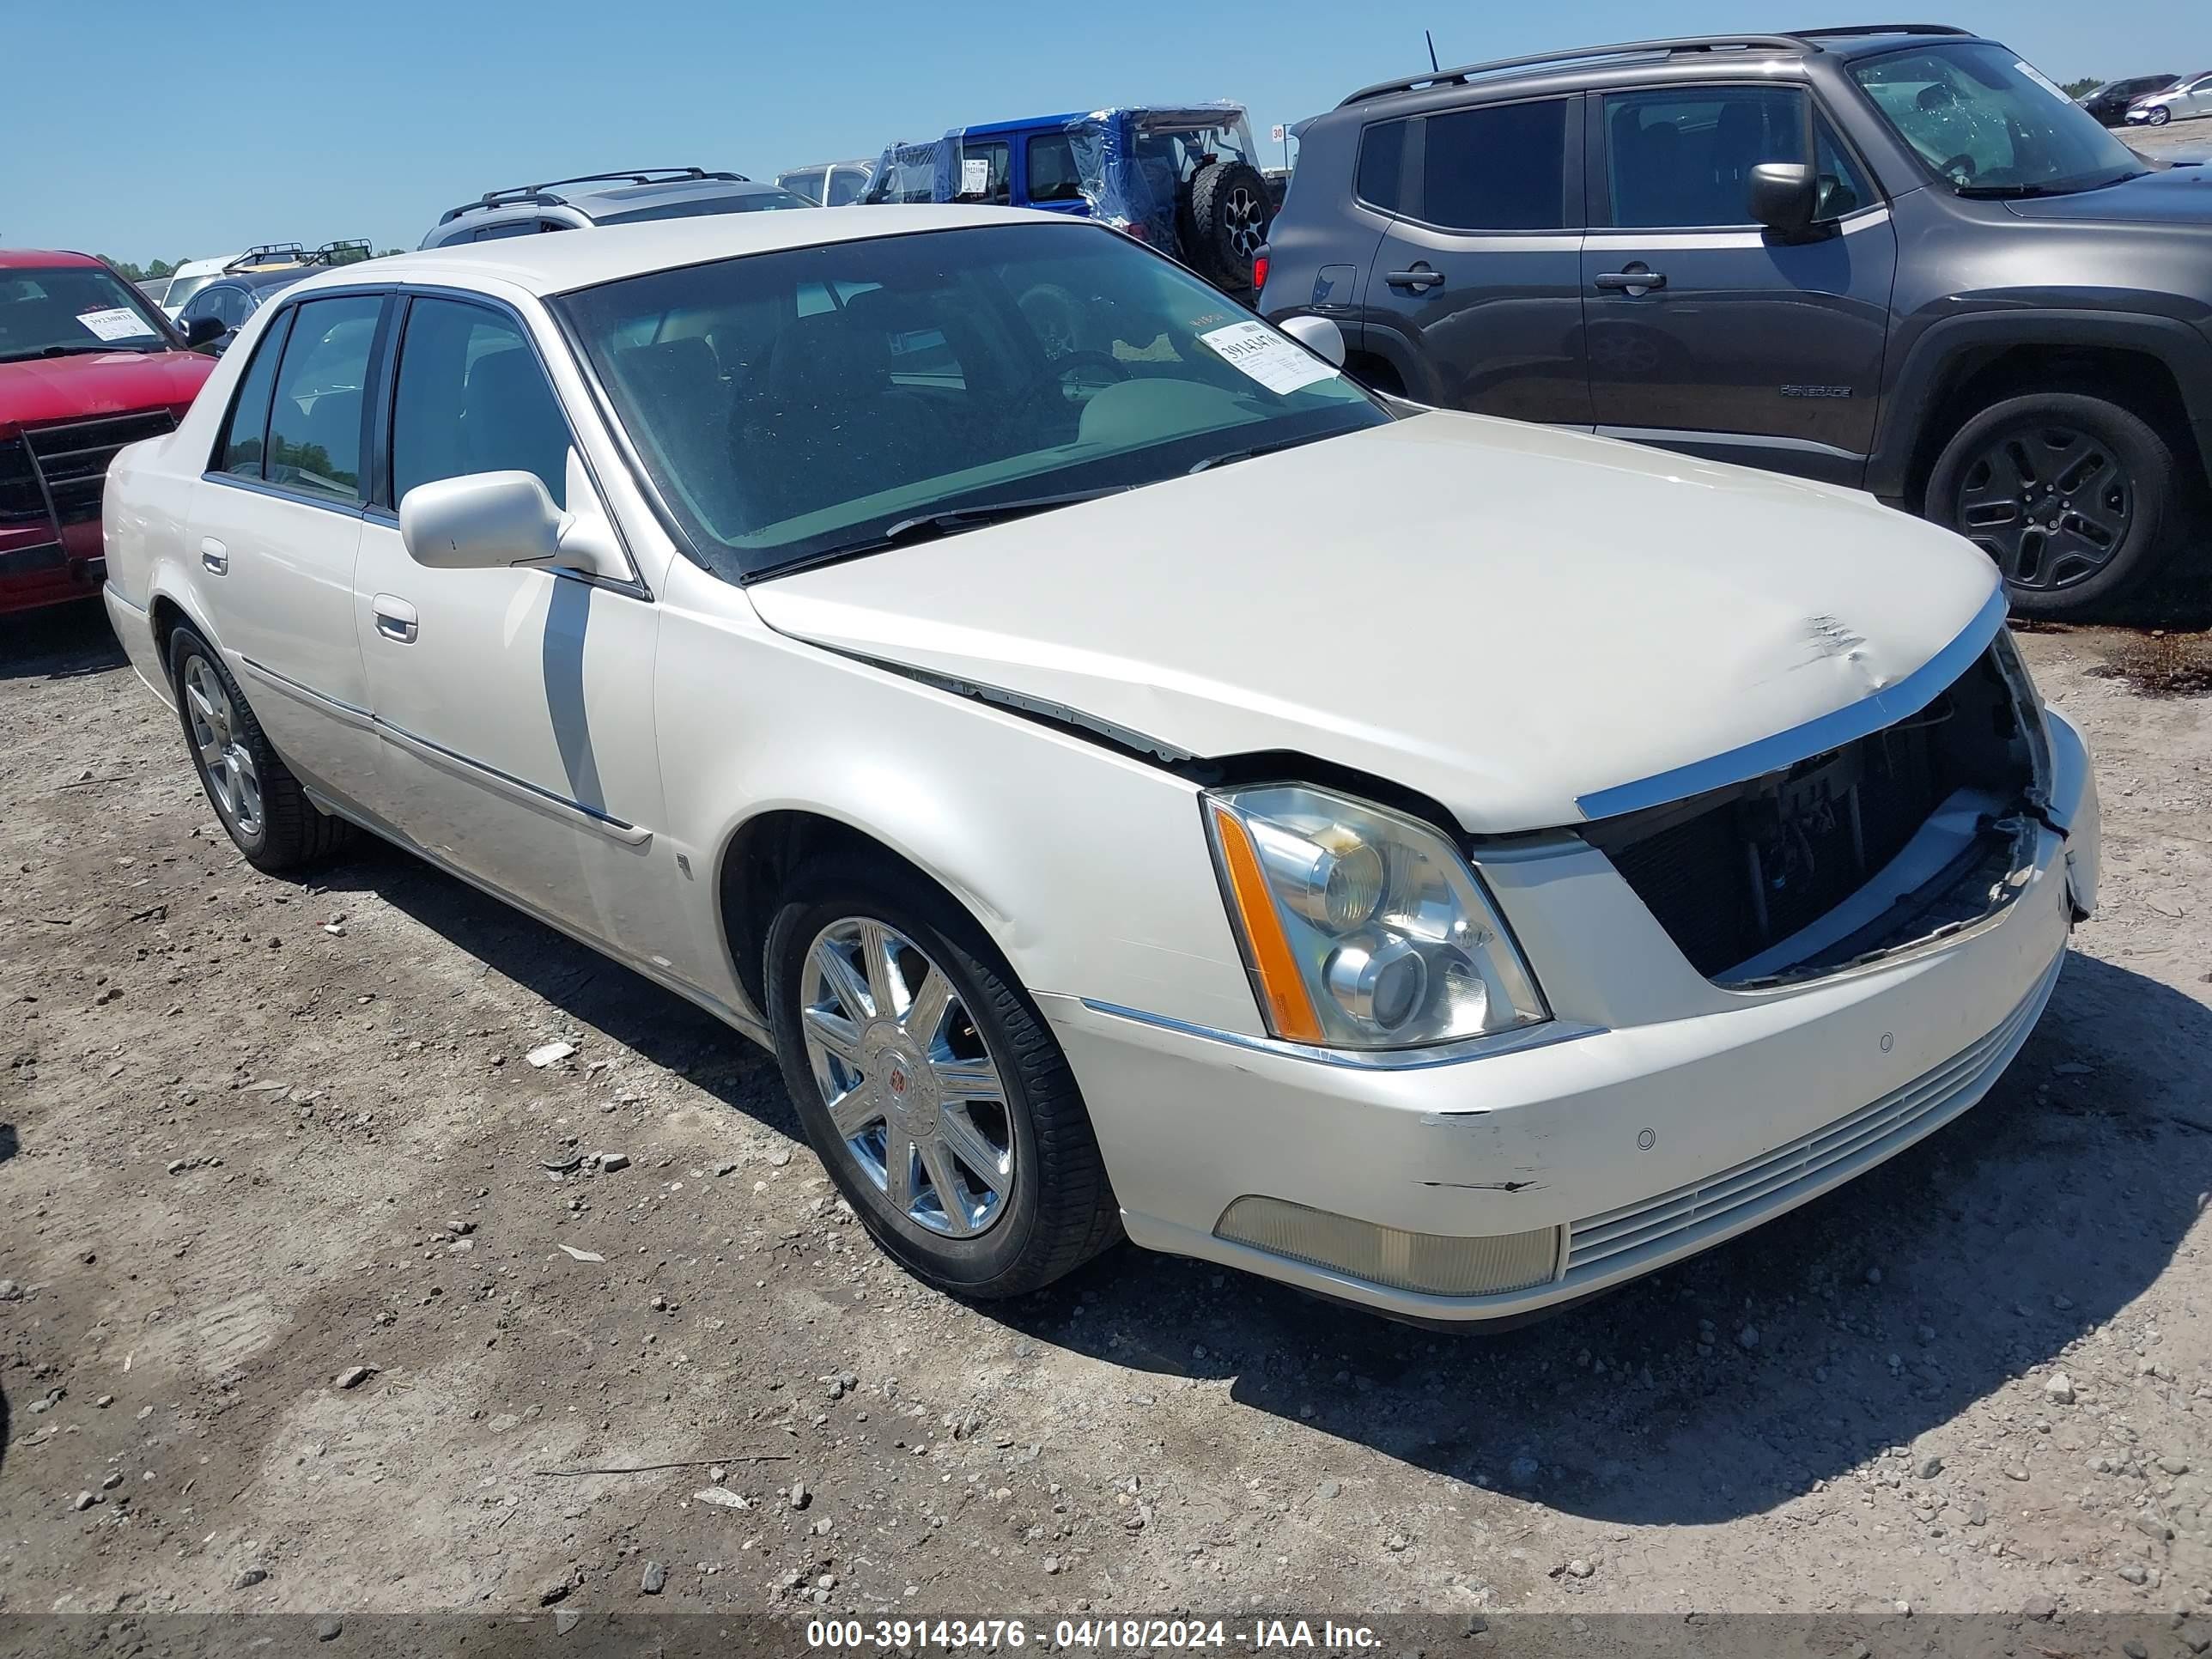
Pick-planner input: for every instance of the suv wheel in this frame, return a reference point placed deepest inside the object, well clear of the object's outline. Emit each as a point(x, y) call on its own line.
point(1229, 215)
point(2068, 494)
point(259, 802)
point(930, 1086)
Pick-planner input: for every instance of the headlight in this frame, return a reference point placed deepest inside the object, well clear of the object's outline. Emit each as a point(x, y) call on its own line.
point(1363, 928)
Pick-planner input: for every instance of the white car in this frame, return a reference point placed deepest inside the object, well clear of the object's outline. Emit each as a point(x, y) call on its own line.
point(189, 278)
point(2185, 100)
point(1451, 865)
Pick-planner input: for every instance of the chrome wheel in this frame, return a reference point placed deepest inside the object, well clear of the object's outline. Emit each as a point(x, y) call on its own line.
point(1246, 217)
point(911, 1086)
point(233, 782)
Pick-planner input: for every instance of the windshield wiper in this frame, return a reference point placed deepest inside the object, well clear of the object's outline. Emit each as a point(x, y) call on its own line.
point(68, 352)
point(2025, 192)
point(952, 521)
point(1258, 449)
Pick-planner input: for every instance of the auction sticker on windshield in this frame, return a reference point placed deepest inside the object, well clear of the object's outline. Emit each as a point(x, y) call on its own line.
point(1255, 350)
point(116, 323)
point(2041, 79)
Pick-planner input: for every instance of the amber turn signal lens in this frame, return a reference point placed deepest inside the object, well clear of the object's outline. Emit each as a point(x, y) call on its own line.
point(1282, 988)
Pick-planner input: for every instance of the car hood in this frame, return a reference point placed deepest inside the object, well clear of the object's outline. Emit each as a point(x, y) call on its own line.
point(1511, 620)
point(46, 389)
point(2178, 195)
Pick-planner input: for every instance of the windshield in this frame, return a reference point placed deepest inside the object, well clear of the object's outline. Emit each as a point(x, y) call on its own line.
point(819, 402)
point(58, 311)
point(182, 288)
point(764, 199)
point(1987, 124)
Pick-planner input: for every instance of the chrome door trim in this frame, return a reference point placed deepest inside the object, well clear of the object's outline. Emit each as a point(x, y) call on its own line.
point(514, 788)
point(345, 713)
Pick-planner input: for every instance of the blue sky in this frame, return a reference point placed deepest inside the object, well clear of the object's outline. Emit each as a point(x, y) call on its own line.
point(309, 121)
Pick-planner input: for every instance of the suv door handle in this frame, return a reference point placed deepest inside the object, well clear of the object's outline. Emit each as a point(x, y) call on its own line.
point(1419, 277)
point(214, 556)
point(1635, 278)
point(396, 619)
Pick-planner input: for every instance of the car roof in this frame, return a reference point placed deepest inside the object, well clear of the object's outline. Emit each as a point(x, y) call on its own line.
point(1686, 56)
point(18, 258)
point(1022, 125)
point(595, 195)
point(558, 265)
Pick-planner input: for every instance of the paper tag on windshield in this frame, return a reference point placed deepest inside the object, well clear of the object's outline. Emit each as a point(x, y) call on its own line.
point(975, 176)
point(116, 323)
point(2042, 80)
point(1257, 350)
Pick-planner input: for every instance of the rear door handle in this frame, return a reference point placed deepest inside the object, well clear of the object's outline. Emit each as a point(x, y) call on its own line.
point(1633, 280)
point(396, 619)
point(1419, 277)
point(214, 556)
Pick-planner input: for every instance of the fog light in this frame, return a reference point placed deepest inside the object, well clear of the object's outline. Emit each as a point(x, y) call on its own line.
point(1434, 1264)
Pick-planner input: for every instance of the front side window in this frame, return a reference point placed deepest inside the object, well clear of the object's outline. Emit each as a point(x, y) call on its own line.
point(473, 397)
point(846, 185)
point(245, 435)
point(1053, 176)
point(1682, 158)
point(61, 311)
point(806, 182)
point(815, 403)
point(1503, 167)
point(1987, 124)
point(314, 420)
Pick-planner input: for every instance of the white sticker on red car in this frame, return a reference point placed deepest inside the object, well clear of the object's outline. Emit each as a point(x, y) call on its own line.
point(116, 323)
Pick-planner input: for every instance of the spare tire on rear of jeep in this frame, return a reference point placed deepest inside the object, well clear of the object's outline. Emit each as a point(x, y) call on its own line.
point(1227, 221)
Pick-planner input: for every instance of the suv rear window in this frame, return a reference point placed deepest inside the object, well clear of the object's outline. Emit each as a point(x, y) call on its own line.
point(1503, 167)
point(1382, 162)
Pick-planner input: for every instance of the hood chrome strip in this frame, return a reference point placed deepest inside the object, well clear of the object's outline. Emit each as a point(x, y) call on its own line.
point(1884, 707)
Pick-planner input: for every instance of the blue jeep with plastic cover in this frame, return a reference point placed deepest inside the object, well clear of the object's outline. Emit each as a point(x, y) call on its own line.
point(1185, 179)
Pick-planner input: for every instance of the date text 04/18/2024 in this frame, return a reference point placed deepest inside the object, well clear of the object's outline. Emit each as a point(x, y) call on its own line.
point(1124, 1635)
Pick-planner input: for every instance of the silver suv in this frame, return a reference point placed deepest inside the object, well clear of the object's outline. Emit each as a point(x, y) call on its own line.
point(604, 199)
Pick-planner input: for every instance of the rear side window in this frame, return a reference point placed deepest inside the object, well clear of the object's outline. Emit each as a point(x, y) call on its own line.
point(314, 420)
point(1381, 164)
point(244, 438)
point(1053, 176)
point(1503, 167)
point(472, 398)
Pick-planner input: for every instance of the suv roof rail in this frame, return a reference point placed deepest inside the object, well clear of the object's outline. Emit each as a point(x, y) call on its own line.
point(517, 195)
point(268, 253)
point(1461, 76)
point(1847, 31)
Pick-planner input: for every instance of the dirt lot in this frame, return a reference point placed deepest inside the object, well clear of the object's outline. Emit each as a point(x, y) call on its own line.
point(258, 1135)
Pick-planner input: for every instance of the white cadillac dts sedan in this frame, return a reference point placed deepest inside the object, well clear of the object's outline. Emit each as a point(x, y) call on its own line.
point(1135, 781)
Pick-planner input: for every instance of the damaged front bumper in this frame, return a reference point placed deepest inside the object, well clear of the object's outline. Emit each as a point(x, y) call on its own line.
point(1659, 1115)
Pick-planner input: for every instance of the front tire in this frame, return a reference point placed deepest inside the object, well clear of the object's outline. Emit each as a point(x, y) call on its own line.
point(258, 802)
point(2069, 495)
point(2157, 117)
point(929, 1085)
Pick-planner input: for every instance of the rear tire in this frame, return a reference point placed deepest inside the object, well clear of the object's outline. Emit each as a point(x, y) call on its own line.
point(258, 802)
point(2072, 497)
point(1229, 215)
point(981, 1102)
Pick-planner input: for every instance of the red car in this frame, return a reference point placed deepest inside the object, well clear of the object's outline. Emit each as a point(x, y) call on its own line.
point(88, 364)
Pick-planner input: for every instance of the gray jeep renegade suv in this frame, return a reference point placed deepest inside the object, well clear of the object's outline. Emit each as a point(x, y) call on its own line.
point(1975, 302)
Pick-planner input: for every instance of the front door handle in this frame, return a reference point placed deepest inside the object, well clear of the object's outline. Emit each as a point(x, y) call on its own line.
point(396, 619)
point(1419, 277)
point(1635, 279)
point(214, 556)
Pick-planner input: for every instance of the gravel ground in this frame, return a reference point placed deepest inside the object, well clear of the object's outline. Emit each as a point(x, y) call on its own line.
point(312, 1305)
